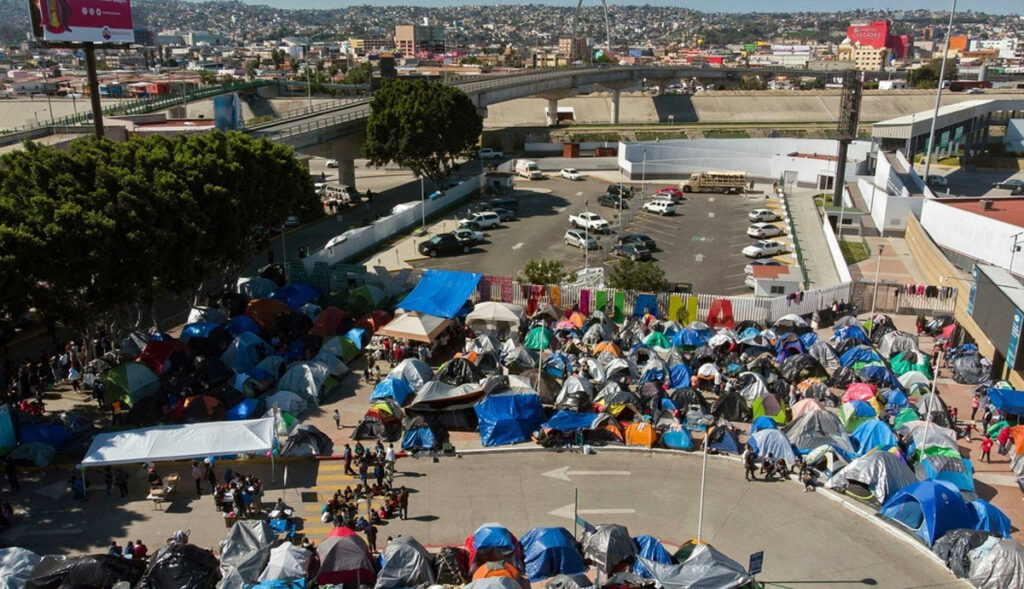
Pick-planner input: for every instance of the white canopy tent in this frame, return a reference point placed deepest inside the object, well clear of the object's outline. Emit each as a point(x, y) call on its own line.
point(416, 327)
point(178, 442)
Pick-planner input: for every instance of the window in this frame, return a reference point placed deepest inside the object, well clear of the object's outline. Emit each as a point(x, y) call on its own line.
point(777, 290)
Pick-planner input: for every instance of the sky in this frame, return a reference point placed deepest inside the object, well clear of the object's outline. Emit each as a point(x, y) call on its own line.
point(989, 6)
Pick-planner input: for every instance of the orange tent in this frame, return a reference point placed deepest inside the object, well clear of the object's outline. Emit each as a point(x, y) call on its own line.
point(265, 311)
point(497, 568)
point(329, 322)
point(608, 347)
point(1017, 438)
point(578, 319)
point(641, 433)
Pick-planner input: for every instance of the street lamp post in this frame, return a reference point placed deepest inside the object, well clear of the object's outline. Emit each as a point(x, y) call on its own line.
point(586, 237)
point(938, 96)
point(703, 480)
point(874, 297)
point(423, 208)
point(309, 88)
point(1017, 239)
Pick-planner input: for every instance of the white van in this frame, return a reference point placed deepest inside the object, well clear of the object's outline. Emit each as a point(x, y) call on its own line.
point(339, 194)
point(528, 169)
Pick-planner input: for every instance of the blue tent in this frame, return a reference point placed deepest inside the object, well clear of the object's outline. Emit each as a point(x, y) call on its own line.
point(677, 439)
point(860, 354)
point(418, 438)
point(1006, 400)
point(881, 375)
point(357, 336)
point(569, 421)
point(679, 376)
point(245, 410)
point(392, 388)
point(200, 330)
point(549, 552)
point(871, 434)
point(508, 419)
point(895, 400)
point(296, 294)
point(690, 338)
point(494, 538)
point(990, 518)
point(242, 324)
point(650, 548)
point(441, 293)
point(726, 442)
point(929, 509)
point(951, 469)
point(854, 332)
point(245, 352)
point(54, 435)
point(655, 373)
point(808, 339)
point(558, 365)
point(280, 584)
point(762, 422)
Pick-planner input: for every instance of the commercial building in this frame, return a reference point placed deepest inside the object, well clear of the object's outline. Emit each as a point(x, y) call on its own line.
point(574, 48)
point(864, 57)
point(877, 34)
point(419, 40)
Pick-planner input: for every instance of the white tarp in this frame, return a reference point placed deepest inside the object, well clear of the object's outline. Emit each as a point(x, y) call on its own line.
point(178, 442)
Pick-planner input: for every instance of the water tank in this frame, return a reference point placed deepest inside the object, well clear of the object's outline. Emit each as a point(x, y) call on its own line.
point(985, 204)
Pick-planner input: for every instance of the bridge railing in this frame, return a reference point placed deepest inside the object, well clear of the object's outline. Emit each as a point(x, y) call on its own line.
point(305, 111)
point(314, 124)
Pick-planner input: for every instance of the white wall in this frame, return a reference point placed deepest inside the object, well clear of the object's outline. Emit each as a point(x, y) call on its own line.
point(972, 234)
point(1014, 139)
point(834, 252)
point(889, 212)
point(756, 157)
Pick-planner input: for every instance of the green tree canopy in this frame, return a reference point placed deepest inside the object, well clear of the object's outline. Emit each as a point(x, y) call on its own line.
point(625, 274)
point(928, 76)
point(544, 272)
point(420, 126)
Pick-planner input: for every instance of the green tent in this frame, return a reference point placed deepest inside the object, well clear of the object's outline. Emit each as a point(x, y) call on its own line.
point(906, 414)
point(341, 347)
point(539, 338)
point(130, 383)
point(658, 339)
point(285, 424)
point(758, 409)
point(365, 298)
point(995, 428)
point(903, 363)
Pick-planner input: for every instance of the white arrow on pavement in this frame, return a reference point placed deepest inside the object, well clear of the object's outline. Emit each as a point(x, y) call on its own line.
point(699, 257)
point(568, 511)
point(711, 215)
point(518, 245)
point(563, 473)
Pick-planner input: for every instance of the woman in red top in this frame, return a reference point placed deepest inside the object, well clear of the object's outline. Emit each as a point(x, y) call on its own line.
point(986, 449)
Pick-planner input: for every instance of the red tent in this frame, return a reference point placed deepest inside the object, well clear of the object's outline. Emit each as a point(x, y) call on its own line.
point(157, 354)
point(860, 391)
point(374, 320)
point(329, 323)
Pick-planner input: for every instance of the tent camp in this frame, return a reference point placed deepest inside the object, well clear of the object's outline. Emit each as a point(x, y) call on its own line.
point(881, 473)
point(706, 567)
point(929, 509)
point(550, 551)
point(406, 564)
point(508, 418)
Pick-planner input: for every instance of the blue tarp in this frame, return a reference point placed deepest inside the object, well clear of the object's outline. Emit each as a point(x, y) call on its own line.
point(493, 537)
point(1007, 401)
point(242, 324)
point(418, 438)
point(929, 509)
point(645, 303)
point(200, 330)
point(870, 435)
point(690, 338)
point(727, 443)
point(859, 354)
point(558, 365)
point(244, 410)
point(854, 332)
point(280, 584)
point(808, 339)
point(54, 435)
point(650, 548)
point(296, 294)
point(763, 422)
point(508, 419)
point(392, 388)
point(895, 400)
point(549, 552)
point(357, 336)
point(679, 376)
point(880, 374)
point(568, 421)
point(677, 439)
point(441, 293)
point(989, 518)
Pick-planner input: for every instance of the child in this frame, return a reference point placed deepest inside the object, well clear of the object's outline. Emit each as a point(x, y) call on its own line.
point(986, 449)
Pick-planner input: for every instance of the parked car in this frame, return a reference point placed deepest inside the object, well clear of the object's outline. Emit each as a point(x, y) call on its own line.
point(661, 207)
point(672, 191)
point(443, 244)
point(292, 221)
point(761, 215)
point(1009, 184)
point(764, 248)
point(487, 153)
point(762, 230)
point(633, 251)
point(936, 180)
point(749, 281)
point(471, 225)
point(506, 203)
point(485, 219)
point(749, 268)
point(577, 238)
point(468, 236)
point(975, 90)
point(504, 214)
point(332, 163)
point(642, 239)
point(570, 174)
point(612, 200)
point(622, 189)
point(590, 221)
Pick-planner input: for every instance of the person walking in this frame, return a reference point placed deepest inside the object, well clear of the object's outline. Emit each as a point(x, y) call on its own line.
point(197, 475)
point(337, 419)
point(363, 467)
point(975, 402)
point(986, 449)
point(403, 502)
point(347, 455)
point(750, 464)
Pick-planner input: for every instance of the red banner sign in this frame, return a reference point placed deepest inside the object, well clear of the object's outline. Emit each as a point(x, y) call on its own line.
point(78, 21)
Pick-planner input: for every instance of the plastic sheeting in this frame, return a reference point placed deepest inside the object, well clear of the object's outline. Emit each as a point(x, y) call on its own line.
point(100, 570)
point(884, 473)
point(608, 546)
point(508, 419)
point(441, 293)
point(406, 564)
point(706, 568)
point(650, 549)
point(177, 566)
point(16, 566)
point(1007, 401)
point(244, 553)
point(954, 546)
point(287, 562)
point(549, 552)
point(997, 564)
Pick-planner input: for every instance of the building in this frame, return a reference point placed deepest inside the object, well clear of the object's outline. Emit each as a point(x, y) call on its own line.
point(1009, 48)
point(422, 40)
point(575, 48)
point(959, 43)
point(877, 34)
point(370, 45)
point(864, 57)
point(550, 59)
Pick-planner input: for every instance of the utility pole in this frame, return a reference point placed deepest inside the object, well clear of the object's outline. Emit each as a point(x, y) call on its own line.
point(94, 88)
point(938, 97)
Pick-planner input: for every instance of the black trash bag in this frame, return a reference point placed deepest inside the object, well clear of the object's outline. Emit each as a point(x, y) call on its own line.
point(181, 566)
point(99, 570)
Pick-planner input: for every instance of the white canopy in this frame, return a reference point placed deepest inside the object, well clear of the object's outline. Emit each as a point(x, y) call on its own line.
point(413, 326)
point(493, 312)
point(177, 442)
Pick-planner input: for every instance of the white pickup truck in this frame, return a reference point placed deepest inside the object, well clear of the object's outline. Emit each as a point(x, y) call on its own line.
point(487, 153)
point(591, 222)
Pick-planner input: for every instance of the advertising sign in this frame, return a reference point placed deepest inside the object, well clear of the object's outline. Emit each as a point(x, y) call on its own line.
point(226, 112)
point(79, 21)
point(1011, 350)
point(974, 291)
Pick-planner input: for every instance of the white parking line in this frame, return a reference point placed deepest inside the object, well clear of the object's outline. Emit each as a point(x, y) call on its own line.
point(518, 245)
point(711, 215)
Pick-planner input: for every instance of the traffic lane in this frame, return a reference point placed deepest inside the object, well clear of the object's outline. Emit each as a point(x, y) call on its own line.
point(976, 183)
point(659, 495)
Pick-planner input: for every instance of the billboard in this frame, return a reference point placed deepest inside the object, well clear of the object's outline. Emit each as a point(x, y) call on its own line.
point(78, 21)
point(226, 112)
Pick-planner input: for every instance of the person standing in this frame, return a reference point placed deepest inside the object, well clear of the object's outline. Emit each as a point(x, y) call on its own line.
point(363, 467)
point(337, 419)
point(211, 477)
point(347, 455)
point(378, 472)
point(108, 480)
point(749, 465)
point(197, 475)
point(389, 456)
point(975, 402)
point(986, 449)
point(371, 537)
point(403, 502)
point(121, 482)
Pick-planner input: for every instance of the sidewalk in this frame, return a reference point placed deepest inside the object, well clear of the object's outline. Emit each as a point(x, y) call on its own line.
point(399, 255)
point(813, 247)
point(897, 263)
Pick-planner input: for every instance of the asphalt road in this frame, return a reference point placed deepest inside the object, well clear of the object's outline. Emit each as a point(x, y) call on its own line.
point(700, 244)
point(973, 183)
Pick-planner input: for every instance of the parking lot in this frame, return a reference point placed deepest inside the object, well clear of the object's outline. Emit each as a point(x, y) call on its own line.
point(973, 183)
point(701, 244)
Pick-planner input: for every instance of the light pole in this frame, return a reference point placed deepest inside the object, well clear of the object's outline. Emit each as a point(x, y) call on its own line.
point(874, 297)
point(586, 237)
point(423, 208)
point(643, 176)
point(1017, 239)
point(938, 96)
point(309, 88)
point(703, 481)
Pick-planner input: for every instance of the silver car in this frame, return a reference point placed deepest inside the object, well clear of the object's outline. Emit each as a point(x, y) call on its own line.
point(578, 238)
point(762, 230)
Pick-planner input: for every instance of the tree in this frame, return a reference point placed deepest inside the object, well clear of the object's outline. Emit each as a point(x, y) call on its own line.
point(359, 74)
point(544, 272)
point(251, 70)
point(926, 77)
point(422, 127)
point(206, 77)
point(625, 274)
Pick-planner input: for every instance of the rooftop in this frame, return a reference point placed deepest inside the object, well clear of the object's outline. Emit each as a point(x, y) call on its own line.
point(1008, 210)
point(783, 272)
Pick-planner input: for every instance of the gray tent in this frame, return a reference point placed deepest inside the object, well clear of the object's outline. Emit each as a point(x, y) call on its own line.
point(895, 342)
point(307, 440)
point(244, 553)
point(752, 386)
point(436, 395)
point(969, 369)
point(493, 583)
point(576, 394)
point(997, 564)
point(596, 333)
point(884, 473)
point(37, 453)
point(577, 581)
point(819, 428)
point(413, 371)
point(593, 370)
point(608, 546)
point(16, 566)
point(825, 354)
point(287, 562)
point(406, 564)
point(954, 548)
point(706, 568)
point(484, 343)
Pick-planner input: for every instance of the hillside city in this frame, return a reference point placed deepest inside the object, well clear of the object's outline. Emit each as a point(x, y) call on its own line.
point(207, 41)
